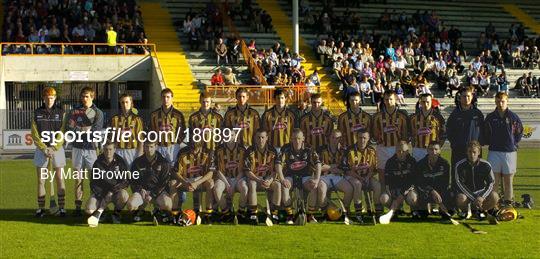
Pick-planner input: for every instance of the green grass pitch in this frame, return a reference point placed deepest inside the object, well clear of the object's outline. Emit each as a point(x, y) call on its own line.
point(22, 235)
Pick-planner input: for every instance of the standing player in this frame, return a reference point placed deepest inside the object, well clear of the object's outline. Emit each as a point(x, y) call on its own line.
point(359, 163)
point(84, 118)
point(49, 118)
point(332, 157)
point(399, 176)
point(353, 120)
point(433, 183)
point(316, 124)
point(427, 125)
point(465, 124)
point(298, 165)
point(206, 120)
point(106, 190)
point(153, 183)
point(474, 179)
point(503, 131)
point(169, 123)
point(259, 167)
point(244, 117)
point(128, 121)
point(389, 127)
point(279, 121)
point(230, 177)
point(195, 169)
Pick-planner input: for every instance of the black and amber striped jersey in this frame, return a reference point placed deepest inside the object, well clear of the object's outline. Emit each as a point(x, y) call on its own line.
point(230, 161)
point(279, 125)
point(425, 128)
point(328, 157)
point(390, 127)
point(168, 121)
point(350, 122)
point(260, 163)
point(298, 162)
point(246, 119)
point(363, 160)
point(316, 128)
point(210, 120)
point(128, 123)
point(194, 162)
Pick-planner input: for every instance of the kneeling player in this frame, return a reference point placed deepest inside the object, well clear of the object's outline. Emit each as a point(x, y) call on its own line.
point(195, 168)
point(433, 183)
point(230, 177)
point(474, 179)
point(259, 167)
point(153, 183)
point(332, 173)
point(298, 166)
point(398, 174)
point(359, 163)
point(107, 190)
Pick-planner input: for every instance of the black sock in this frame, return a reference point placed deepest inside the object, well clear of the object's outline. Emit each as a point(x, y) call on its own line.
point(61, 200)
point(41, 201)
point(78, 204)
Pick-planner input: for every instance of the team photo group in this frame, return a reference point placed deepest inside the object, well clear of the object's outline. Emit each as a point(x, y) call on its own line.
point(289, 165)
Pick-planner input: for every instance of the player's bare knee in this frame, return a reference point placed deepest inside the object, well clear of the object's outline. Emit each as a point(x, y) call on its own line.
point(385, 199)
point(412, 199)
point(461, 200)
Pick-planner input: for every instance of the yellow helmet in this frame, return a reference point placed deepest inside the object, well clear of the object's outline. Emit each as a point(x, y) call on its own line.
point(507, 214)
point(333, 213)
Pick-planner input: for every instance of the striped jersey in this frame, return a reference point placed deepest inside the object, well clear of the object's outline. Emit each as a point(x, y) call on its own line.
point(279, 125)
point(128, 123)
point(328, 157)
point(194, 162)
point(210, 120)
point(260, 163)
point(316, 128)
point(168, 121)
point(350, 122)
point(364, 159)
point(390, 128)
point(247, 120)
point(425, 128)
point(230, 161)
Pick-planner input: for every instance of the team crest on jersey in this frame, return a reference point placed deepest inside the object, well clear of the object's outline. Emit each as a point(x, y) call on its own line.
point(358, 127)
point(298, 165)
point(424, 131)
point(317, 130)
point(280, 125)
point(231, 165)
point(390, 129)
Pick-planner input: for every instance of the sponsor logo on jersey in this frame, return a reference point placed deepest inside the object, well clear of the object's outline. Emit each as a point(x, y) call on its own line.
point(243, 124)
point(231, 165)
point(298, 165)
point(317, 130)
point(389, 129)
point(280, 125)
point(424, 131)
point(195, 170)
point(262, 169)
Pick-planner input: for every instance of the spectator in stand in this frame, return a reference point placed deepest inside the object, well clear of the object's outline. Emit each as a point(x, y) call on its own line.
point(502, 82)
point(235, 50)
point(221, 52)
point(366, 92)
point(454, 84)
point(111, 40)
point(229, 78)
point(217, 78)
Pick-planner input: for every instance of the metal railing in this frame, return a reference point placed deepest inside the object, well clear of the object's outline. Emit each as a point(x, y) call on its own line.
point(66, 48)
point(259, 95)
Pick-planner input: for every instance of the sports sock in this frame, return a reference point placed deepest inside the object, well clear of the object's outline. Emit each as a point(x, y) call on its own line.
point(78, 204)
point(41, 201)
point(253, 210)
point(289, 211)
point(61, 200)
point(358, 208)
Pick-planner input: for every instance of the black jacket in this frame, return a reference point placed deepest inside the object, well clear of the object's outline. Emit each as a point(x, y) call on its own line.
point(47, 120)
point(463, 127)
point(101, 186)
point(433, 178)
point(399, 174)
point(154, 176)
point(474, 180)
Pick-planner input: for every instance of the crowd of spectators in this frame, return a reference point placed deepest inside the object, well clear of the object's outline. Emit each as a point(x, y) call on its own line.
point(70, 21)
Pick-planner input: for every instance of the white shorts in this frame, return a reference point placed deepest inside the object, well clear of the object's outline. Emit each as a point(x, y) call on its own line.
point(170, 153)
point(58, 158)
point(128, 155)
point(383, 154)
point(83, 158)
point(329, 178)
point(419, 153)
point(233, 182)
point(503, 162)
